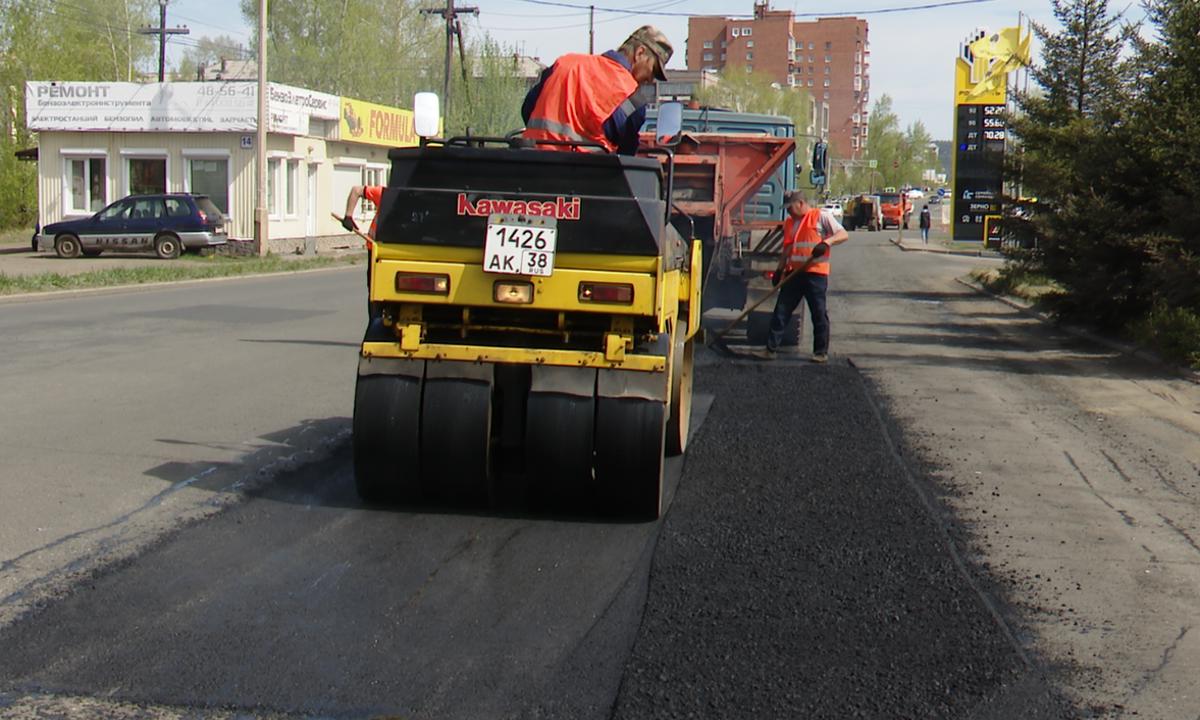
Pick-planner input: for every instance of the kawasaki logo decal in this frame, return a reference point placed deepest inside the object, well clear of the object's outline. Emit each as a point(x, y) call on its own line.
point(561, 208)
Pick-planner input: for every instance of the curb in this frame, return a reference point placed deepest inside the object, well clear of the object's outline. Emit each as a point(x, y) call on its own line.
point(110, 289)
point(1140, 353)
point(945, 251)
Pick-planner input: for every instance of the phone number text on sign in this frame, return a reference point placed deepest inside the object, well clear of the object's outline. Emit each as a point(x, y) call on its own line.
point(514, 247)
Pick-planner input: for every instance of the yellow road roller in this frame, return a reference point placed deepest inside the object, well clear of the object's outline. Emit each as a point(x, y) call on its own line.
point(534, 312)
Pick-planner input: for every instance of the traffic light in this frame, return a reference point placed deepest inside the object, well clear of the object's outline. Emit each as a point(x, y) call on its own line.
point(820, 164)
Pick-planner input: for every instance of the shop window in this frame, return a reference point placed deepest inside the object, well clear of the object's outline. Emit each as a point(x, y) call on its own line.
point(210, 176)
point(147, 175)
point(273, 187)
point(292, 187)
point(86, 185)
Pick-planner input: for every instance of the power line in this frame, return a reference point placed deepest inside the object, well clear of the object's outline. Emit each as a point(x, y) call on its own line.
point(840, 13)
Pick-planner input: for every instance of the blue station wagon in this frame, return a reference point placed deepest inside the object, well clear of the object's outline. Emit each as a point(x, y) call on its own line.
point(165, 224)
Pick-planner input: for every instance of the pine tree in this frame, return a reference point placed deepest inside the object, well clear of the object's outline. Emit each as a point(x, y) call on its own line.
point(1076, 156)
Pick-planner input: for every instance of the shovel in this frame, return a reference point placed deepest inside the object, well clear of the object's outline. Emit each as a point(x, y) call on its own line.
point(357, 232)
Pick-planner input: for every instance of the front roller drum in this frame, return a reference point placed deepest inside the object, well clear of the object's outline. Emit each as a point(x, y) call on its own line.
point(456, 440)
point(629, 453)
point(386, 442)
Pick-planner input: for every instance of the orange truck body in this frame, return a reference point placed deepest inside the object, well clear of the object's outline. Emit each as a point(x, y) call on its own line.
point(897, 210)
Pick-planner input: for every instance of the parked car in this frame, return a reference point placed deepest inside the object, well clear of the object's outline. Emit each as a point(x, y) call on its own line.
point(835, 209)
point(166, 224)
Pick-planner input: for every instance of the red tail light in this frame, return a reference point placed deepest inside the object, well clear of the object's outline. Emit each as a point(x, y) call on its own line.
point(618, 293)
point(423, 283)
point(203, 217)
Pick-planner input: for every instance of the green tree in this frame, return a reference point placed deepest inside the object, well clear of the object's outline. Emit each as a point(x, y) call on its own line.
point(381, 51)
point(757, 92)
point(1075, 154)
point(901, 155)
point(76, 40)
point(489, 102)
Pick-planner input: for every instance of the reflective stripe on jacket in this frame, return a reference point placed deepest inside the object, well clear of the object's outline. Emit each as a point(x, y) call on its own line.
point(577, 98)
point(799, 239)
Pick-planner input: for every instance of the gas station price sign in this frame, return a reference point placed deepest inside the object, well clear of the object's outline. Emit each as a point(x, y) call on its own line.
point(980, 136)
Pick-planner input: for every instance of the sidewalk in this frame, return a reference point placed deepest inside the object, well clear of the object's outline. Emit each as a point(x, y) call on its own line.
point(939, 242)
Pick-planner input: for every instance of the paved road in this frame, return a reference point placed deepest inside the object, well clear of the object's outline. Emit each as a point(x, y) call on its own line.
point(125, 412)
point(1067, 468)
point(783, 582)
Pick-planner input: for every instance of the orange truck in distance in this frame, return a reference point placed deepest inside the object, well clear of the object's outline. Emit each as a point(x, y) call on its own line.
point(897, 210)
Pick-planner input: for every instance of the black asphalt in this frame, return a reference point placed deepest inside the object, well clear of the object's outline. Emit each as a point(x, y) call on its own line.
point(797, 575)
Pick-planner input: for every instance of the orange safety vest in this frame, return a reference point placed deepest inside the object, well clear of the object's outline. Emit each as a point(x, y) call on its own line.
point(799, 239)
point(374, 195)
point(577, 97)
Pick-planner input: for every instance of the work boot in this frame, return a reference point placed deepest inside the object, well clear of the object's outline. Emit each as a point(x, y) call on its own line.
point(820, 358)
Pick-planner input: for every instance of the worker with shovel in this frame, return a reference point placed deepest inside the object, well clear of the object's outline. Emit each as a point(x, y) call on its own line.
point(803, 272)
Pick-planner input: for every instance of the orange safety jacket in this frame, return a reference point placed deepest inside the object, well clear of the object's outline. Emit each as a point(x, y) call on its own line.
point(576, 99)
point(374, 195)
point(799, 239)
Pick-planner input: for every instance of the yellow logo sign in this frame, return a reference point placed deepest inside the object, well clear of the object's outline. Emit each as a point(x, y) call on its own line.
point(984, 62)
point(363, 122)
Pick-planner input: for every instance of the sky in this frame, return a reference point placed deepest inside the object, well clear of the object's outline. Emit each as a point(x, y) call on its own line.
point(912, 52)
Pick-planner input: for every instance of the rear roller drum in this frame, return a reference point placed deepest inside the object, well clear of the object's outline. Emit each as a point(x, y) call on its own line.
point(681, 392)
point(386, 441)
point(629, 453)
point(456, 440)
point(558, 446)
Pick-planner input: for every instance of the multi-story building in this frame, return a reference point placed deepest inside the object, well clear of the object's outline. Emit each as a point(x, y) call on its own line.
point(828, 57)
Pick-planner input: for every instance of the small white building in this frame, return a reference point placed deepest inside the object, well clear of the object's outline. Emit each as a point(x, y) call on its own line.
point(100, 141)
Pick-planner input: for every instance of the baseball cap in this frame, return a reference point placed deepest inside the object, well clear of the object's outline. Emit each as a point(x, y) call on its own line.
point(656, 42)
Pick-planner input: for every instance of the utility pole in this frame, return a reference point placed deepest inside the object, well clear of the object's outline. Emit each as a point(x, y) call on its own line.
point(450, 15)
point(162, 31)
point(260, 139)
point(591, 29)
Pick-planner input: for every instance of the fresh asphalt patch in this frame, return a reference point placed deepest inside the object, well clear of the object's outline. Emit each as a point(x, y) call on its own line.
point(796, 574)
point(799, 574)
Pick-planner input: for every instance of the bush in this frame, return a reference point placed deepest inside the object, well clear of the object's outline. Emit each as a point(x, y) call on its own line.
point(1172, 332)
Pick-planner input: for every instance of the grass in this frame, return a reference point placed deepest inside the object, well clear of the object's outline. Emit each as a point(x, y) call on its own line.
point(1016, 281)
point(210, 267)
point(16, 236)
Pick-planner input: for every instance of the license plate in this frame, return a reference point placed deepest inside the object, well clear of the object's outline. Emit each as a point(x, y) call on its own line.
point(520, 245)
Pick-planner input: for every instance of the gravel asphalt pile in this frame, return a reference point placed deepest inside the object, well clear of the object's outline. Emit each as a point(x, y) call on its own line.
point(799, 575)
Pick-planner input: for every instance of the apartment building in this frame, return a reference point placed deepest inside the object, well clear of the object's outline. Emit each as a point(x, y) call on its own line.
point(829, 57)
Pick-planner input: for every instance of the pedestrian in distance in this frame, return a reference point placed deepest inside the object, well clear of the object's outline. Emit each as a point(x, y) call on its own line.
point(599, 99)
point(808, 235)
point(925, 221)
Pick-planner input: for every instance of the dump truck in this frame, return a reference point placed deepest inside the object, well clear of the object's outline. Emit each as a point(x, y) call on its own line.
point(896, 209)
point(733, 171)
point(537, 315)
point(862, 212)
